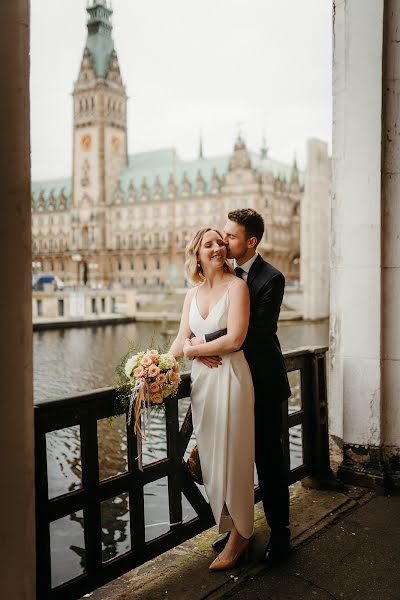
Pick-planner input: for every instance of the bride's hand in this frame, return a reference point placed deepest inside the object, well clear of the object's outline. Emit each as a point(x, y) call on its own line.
point(188, 349)
point(195, 341)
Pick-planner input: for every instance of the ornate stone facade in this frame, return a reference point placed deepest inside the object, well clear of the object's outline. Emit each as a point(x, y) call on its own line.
point(127, 219)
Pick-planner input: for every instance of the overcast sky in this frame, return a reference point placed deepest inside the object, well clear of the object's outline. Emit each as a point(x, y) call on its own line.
point(190, 65)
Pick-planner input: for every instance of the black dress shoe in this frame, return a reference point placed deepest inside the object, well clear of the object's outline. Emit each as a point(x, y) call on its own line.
point(277, 551)
point(221, 541)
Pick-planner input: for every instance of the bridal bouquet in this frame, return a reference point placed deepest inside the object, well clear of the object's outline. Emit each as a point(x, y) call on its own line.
point(146, 379)
point(158, 374)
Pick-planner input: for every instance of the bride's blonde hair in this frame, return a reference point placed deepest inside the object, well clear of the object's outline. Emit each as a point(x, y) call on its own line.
point(193, 268)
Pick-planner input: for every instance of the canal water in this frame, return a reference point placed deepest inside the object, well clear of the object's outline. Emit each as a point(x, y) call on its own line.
point(74, 360)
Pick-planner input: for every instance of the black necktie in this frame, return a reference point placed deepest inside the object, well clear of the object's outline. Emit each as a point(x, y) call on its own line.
point(239, 272)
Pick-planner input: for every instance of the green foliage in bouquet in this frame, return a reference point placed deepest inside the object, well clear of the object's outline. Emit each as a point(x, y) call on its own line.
point(122, 383)
point(162, 375)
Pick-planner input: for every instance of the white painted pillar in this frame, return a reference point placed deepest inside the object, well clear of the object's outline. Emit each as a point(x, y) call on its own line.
point(314, 232)
point(391, 237)
point(17, 517)
point(364, 256)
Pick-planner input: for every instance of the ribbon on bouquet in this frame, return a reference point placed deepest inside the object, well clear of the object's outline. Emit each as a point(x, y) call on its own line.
point(140, 405)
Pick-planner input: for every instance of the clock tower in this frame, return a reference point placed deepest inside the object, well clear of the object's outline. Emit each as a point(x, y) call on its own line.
point(100, 133)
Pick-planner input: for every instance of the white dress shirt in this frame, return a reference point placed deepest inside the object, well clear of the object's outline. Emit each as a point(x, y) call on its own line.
point(245, 266)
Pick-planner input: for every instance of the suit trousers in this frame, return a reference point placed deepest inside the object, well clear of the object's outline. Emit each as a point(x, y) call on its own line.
point(270, 464)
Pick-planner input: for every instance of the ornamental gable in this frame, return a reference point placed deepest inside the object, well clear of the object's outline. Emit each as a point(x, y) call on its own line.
point(86, 73)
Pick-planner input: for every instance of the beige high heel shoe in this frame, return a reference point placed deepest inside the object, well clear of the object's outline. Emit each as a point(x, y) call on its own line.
point(226, 565)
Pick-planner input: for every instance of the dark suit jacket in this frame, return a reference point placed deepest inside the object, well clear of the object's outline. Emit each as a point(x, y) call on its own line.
point(261, 346)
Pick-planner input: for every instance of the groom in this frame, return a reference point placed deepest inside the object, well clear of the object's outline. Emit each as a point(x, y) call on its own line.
point(242, 234)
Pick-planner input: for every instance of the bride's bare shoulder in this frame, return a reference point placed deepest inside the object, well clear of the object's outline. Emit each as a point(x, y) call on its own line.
point(237, 283)
point(191, 292)
point(237, 288)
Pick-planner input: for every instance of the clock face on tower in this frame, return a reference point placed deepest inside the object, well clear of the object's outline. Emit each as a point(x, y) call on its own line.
point(115, 143)
point(86, 141)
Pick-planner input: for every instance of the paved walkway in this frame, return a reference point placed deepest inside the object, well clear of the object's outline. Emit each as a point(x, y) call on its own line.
point(346, 547)
point(356, 558)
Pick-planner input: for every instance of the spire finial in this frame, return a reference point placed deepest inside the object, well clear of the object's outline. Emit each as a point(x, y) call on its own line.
point(264, 147)
point(201, 156)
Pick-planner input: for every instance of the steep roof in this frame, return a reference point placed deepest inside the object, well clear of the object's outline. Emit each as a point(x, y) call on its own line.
point(55, 187)
point(163, 163)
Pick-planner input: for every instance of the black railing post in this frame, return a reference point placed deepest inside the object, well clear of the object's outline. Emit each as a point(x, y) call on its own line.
point(285, 435)
point(321, 469)
point(173, 453)
point(316, 420)
point(43, 563)
point(90, 483)
point(136, 495)
point(307, 399)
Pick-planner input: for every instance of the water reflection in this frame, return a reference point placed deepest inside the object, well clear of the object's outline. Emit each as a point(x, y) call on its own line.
point(81, 359)
point(115, 530)
point(112, 443)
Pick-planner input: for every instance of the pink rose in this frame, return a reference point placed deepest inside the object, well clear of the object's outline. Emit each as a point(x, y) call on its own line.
point(153, 354)
point(161, 378)
point(154, 388)
point(146, 360)
point(153, 371)
point(176, 368)
point(172, 376)
point(156, 398)
point(138, 372)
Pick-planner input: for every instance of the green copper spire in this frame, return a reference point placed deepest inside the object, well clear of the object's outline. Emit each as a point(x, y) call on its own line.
point(99, 40)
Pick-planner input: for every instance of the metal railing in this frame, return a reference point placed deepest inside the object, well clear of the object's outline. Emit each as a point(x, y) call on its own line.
point(86, 409)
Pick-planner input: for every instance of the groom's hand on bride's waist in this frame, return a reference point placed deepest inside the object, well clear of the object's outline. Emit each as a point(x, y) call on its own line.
point(210, 361)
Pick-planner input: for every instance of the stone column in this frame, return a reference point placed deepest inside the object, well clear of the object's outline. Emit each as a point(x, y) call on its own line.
point(391, 240)
point(364, 330)
point(314, 232)
point(17, 517)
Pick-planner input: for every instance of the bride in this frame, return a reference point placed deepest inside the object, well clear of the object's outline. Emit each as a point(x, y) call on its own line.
point(222, 399)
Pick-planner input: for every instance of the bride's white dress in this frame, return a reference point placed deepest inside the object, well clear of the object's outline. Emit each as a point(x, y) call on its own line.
point(223, 420)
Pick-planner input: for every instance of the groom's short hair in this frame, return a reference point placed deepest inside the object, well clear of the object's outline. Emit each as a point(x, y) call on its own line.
point(251, 220)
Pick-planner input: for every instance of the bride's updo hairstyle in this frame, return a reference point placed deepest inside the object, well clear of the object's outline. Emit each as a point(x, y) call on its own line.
point(194, 270)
